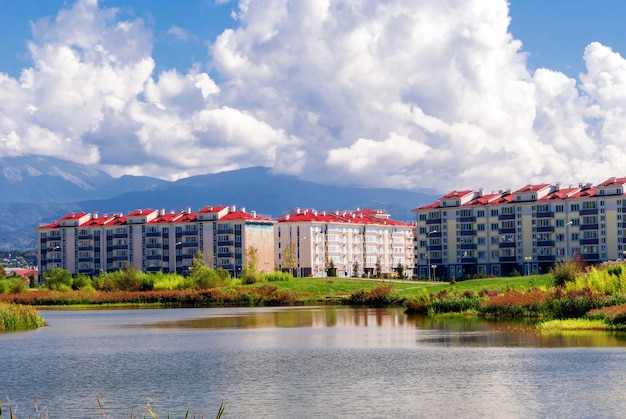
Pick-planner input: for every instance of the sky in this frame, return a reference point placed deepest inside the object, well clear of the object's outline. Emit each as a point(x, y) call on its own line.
point(409, 94)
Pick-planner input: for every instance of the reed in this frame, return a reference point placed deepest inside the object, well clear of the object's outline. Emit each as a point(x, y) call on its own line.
point(19, 317)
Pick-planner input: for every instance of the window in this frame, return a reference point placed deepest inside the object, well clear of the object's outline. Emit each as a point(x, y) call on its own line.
point(558, 208)
point(480, 227)
point(574, 207)
point(507, 210)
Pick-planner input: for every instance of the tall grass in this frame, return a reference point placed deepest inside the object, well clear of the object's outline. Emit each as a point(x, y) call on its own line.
point(19, 317)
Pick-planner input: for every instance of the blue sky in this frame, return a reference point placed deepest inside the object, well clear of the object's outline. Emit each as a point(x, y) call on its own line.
point(450, 94)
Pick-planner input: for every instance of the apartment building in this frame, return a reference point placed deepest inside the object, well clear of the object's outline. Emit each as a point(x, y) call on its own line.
point(467, 232)
point(153, 240)
point(306, 241)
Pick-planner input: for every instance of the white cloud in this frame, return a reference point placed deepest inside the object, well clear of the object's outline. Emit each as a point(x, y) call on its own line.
point(397, 93)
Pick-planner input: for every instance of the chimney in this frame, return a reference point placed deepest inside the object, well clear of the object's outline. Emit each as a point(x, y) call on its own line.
point(481, 192)
point(243, 209)
point(233, 208)
point(162, 211)
point(253, 214)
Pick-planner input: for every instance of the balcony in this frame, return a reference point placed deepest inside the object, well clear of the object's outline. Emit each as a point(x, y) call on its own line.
point(506, 245)
point(467, 246)
point(545, 258)
point(467, 219)
point(502, 217)
point(584, 227)
point(589, 211)
point(589, 241)
point(468, 233)
point(507, 230)
point(469, 260)
point(545, 229)
point(547, 214)
point(545, 243)
point(590, 257)
point(507, 259)
point(433, 221)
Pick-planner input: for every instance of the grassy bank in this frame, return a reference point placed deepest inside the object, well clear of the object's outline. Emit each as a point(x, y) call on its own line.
point(19, 317)
point(299, 291)
point(569, 291)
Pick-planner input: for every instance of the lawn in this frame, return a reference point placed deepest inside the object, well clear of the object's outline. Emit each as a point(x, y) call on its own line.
point(319, 289)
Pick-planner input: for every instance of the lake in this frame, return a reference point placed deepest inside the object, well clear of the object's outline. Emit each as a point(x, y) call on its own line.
point(307, 362)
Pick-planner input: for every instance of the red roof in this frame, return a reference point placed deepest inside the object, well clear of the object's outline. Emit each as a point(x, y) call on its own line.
point(532, 188)
point(366, 216)
point(613, 181)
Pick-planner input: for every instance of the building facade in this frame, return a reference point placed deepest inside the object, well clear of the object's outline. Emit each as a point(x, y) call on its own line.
point(469, 233)
point(153, 240)
point(306, 241)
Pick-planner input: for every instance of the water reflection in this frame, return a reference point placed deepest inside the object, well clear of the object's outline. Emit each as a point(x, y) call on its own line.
point(461, 331)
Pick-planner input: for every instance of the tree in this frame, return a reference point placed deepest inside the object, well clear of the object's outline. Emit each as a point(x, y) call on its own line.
point(331, 270)
point(355, 269)
point(203, 276)
point(58, 279)
point(250, 270)
point(3, 272)
point(290, 257)
point(400, 271)
point(379, 269)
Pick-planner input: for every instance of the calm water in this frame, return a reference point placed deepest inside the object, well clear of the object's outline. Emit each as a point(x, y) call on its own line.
point(307, 363)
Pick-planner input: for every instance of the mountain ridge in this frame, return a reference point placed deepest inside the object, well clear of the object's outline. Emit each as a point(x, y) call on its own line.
point(254, 188)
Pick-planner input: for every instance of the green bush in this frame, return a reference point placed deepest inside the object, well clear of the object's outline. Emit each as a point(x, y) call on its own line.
point(58, 279)
point(275, 276)
point(81, 282)
point(378, 296)
point(565, 271)
point(13, 285)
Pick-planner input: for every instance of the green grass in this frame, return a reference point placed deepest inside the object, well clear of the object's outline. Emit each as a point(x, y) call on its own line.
point(573, 324)
point(319, 289)
point(19, 317)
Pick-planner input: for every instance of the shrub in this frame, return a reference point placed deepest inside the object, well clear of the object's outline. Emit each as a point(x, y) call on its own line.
point(57, 279)
point(565, 271)
point(81, 281)
point(275, 276)
point(13, 285)
point(378, 296)
point(420, 303)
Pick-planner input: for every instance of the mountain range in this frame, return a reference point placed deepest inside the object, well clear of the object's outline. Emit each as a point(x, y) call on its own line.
point(38, 190)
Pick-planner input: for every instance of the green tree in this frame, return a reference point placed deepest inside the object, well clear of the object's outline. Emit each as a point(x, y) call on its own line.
point(129, 278)
point(202, 276)
point(400, 271)
point(355, 269)
point(331, 270)
point(379, 269)
point(250, 270)
point(57, 279)
point(290, 257)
